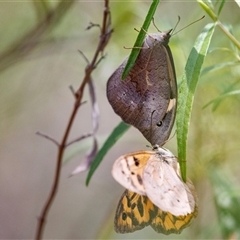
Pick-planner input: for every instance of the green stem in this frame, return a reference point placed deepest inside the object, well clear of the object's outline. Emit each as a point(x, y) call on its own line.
point(229, 35)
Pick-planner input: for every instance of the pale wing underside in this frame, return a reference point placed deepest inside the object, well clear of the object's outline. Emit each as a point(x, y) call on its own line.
point(128, 170)
point(166, 189)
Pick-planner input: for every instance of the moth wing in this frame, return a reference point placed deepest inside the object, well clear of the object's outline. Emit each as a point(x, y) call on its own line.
point(166, 189)
point(128, 170)
point(166, 223)
point(134, 212)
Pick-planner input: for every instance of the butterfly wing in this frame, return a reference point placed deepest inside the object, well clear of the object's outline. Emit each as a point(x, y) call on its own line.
point(167, 223)
point(150, 87)
point(134, 212)
point(128, 170)
point(165, 187)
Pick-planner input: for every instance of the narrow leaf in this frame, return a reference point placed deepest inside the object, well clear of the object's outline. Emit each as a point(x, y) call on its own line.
point(187, 90)
point(137, 46)
point(219, 66)
point(86, 163)
point(208, 10)
point(221, 6)
point(218, 100)
point(111, 140)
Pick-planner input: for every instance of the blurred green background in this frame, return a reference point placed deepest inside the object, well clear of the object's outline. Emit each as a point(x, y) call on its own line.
point(36, 69)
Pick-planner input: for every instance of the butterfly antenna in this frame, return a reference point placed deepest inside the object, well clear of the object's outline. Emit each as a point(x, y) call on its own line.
point(176, 24)
point(188, 24)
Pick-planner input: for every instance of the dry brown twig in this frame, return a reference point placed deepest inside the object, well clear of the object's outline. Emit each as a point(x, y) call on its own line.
point(103, 40)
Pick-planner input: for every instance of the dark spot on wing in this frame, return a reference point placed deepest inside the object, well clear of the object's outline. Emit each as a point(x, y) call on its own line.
point(136, 161)
point(133, 205)
point(124, 216)
point(139, 178)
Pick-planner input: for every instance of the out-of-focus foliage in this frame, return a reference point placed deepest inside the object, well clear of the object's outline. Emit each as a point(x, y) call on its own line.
point(35, 96)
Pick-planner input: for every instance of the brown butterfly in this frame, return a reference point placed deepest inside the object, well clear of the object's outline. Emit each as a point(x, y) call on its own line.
point(146, 98)
point(135, 212)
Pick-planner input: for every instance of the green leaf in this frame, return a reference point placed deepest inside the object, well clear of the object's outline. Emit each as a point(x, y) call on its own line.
point(219, 66)
point(208, 10)
point(187, 90)
point(111, 140)
point(218, 100)
point(221, 6)
point(139, 41)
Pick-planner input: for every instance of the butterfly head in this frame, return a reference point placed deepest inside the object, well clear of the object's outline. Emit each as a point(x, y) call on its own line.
point(161, 38)
point(162, 151)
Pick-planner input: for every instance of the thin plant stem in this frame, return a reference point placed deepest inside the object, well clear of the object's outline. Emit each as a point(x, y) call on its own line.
point(103, 40)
